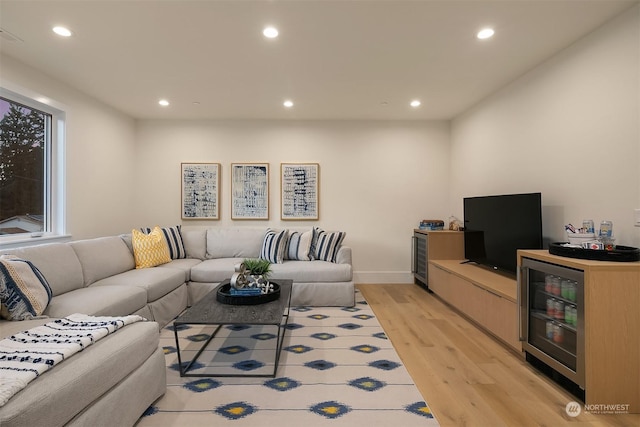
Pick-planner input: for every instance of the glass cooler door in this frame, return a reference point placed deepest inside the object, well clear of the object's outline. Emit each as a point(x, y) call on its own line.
point(554, 310)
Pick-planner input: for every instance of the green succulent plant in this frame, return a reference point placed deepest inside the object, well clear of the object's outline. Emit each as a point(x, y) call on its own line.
point(258, 267)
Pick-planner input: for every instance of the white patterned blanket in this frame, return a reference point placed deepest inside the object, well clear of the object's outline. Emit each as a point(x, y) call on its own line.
point(26, 355)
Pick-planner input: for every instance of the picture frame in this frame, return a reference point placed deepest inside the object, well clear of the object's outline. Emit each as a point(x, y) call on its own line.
point(200, 190)
point(249, 190)
point(299, 191)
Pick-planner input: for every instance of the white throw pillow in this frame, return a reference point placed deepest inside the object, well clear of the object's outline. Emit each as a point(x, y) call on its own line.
point(299, 246)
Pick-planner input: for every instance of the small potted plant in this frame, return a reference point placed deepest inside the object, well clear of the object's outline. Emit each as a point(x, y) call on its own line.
point(258, 267)
point(258, 271)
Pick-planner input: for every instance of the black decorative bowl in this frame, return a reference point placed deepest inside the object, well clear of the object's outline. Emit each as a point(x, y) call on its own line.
point(619, 254)
point(224, 296)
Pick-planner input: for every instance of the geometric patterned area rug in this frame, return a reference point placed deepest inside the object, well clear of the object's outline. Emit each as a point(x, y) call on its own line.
point(337, 368)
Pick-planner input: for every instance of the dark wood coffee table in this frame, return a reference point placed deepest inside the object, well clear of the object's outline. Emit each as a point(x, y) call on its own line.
point(208, 311)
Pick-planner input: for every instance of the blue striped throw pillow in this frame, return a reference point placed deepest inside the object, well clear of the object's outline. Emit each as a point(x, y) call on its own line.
point(24, 292)
point(274, 245)
point(299, 246)
point(173, 236)
point(328, 244)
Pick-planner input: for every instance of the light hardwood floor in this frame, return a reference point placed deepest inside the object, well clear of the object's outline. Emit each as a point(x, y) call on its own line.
point(467, 377)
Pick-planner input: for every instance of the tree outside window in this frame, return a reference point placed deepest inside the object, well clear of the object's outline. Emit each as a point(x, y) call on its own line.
point(23, 147)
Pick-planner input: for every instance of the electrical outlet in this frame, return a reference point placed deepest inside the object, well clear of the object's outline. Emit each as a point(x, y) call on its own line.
point(637, 218)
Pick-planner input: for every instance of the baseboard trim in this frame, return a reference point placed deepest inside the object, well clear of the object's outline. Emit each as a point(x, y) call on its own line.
point(372, 277)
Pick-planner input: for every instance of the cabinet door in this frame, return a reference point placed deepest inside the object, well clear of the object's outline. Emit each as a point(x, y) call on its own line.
point(501, 320)
point(439, 282)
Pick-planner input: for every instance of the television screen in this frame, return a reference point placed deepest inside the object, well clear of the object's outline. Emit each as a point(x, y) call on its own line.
point(497, 226)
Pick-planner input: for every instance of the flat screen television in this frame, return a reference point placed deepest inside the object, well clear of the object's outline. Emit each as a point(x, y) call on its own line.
point(497, 226)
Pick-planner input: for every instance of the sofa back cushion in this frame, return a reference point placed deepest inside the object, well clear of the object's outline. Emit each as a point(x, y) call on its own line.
point(57, 262)
point(237, 242)
point(195, 243)
point(103, 257)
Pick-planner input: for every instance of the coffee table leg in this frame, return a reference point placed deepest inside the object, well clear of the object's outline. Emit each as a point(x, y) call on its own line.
point(282, 329)
point(183, 371)
point(175, 333)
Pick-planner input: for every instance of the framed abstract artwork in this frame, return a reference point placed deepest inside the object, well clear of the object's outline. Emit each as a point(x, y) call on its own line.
point(249, 191)
point(200, 190)
point(299, 198)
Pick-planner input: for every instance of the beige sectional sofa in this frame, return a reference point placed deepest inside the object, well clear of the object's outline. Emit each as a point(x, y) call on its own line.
point(98, 277)
point(315, 283)
point(113, 381)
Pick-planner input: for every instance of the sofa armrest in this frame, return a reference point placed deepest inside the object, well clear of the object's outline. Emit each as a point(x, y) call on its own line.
point(344, 255)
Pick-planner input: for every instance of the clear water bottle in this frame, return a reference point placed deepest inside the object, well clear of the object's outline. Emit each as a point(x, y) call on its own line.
point(606, 229)
point(588, 226)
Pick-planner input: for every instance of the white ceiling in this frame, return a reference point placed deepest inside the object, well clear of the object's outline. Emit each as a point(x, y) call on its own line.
point(334, 59)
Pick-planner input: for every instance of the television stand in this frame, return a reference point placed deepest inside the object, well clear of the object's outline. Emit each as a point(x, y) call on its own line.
point(486, 297)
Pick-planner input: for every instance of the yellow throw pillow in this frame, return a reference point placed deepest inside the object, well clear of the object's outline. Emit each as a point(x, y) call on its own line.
point(150, 249)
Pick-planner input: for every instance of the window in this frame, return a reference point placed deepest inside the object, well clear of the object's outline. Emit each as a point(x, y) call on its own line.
point(30, 143)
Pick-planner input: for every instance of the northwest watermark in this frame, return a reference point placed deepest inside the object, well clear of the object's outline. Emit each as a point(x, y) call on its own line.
point(573, 409)
point(608, 409)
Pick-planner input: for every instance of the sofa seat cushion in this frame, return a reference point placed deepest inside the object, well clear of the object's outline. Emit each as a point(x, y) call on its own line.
point(9, 328)
point(156, 282)
point(312, 271)
point(98, 301)
point(184, 265)
point(66, 390)
point(214, 270)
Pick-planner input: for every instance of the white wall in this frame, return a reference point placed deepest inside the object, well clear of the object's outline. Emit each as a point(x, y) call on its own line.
point(378, 179)
point(99, 153)
point(569, 128)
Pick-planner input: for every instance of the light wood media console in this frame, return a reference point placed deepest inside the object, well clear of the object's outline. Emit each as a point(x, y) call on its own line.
point(487, 298)
point(612, 317)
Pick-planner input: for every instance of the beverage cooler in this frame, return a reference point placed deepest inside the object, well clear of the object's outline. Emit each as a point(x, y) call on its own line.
point(551, 312)
point(419, 258)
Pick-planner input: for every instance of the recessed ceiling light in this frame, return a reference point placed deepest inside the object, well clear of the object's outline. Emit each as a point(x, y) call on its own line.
point(270, 32)
point(485, 33)
point(288, 103)
point(62, 31)
point(415, 103)
point(163, 102)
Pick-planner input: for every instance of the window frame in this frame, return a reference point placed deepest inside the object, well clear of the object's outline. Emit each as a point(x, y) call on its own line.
point(54, 172)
